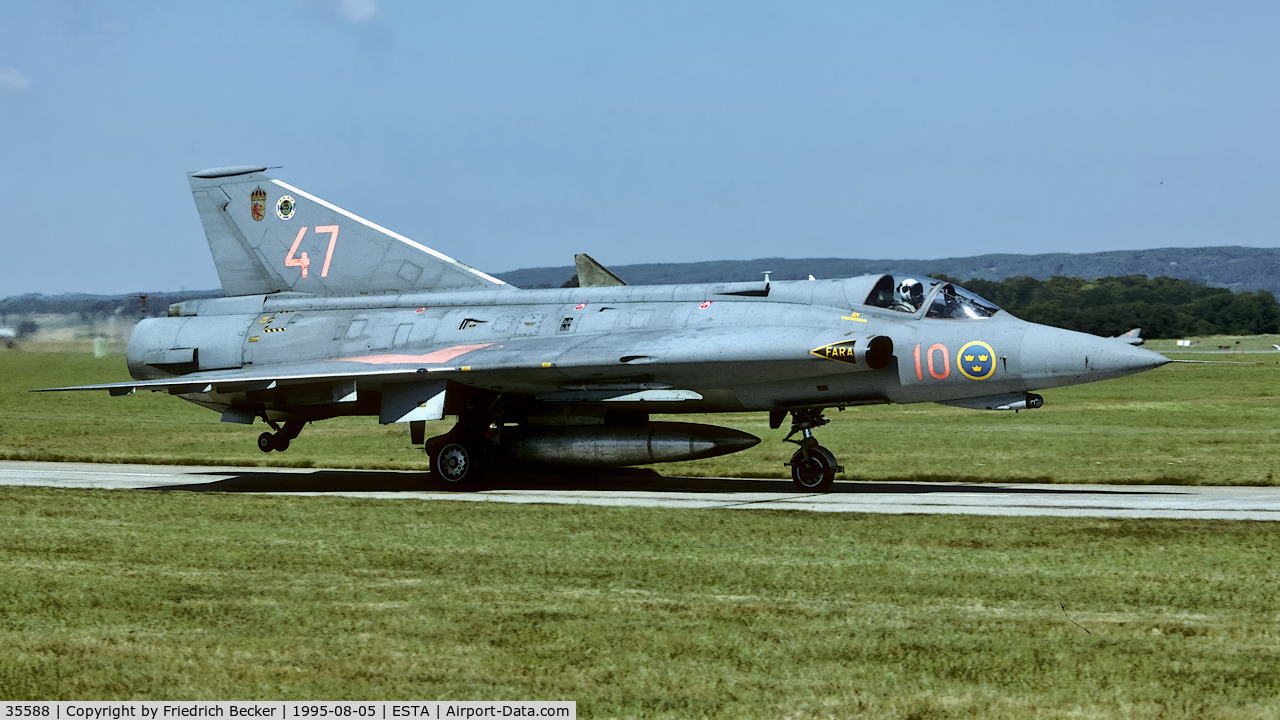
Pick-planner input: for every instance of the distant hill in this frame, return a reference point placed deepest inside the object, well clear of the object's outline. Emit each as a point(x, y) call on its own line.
point(133, 305)
point(1240, 269)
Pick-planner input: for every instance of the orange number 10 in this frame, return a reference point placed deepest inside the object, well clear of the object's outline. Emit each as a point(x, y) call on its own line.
point(946, 362)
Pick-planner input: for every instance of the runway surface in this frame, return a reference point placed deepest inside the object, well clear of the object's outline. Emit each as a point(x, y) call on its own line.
point(1120, 501)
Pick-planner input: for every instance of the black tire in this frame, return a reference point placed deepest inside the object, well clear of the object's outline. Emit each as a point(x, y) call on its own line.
point(266, 442)
point(816, 474)
point(282, 443)
point(453, 465)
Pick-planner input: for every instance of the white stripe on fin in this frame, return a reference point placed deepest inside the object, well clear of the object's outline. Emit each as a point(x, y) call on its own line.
point(389, 233)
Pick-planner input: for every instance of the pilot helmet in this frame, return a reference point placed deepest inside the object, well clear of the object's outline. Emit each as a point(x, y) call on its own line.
point(912, 290)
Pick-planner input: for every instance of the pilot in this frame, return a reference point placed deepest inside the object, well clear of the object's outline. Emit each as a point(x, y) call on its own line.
point(953, 305)
point(909, 296)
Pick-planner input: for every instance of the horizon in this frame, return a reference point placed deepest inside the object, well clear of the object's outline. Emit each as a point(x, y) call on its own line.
point(570, 269)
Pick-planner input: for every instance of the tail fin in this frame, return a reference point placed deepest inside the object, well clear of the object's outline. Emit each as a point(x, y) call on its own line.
point(1133, 337)
point(267, 236)
point(593, 274)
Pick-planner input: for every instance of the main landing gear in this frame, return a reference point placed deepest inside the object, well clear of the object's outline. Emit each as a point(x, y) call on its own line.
point(813, 467)
point(279, 440)
point(454, 461)
point(457, 456)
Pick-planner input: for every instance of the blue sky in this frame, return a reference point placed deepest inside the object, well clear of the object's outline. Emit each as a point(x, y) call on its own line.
point(514, 134)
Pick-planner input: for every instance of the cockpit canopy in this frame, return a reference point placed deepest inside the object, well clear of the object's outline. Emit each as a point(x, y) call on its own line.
point(907, 294)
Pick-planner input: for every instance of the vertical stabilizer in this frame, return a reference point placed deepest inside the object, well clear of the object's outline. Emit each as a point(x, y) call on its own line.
point(593, 274)
point(267, 236)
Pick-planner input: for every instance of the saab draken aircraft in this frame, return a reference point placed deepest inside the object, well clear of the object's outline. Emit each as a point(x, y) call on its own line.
point(329, 314)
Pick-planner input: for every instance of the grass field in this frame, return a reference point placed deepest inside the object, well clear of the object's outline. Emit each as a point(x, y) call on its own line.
point(635, 612)
point(654, 613)
point(1181, 424)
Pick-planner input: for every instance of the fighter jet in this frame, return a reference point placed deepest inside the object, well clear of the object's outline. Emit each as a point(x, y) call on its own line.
point(329, 314)
point(1133, 337)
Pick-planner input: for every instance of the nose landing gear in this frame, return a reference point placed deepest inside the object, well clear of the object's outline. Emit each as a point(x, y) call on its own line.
point(813, 467)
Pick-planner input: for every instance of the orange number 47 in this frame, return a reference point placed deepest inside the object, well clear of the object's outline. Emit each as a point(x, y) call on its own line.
point(302, 260)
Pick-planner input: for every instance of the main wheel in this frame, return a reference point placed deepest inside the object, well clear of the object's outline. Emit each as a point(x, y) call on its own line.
point(815, 474)
point(266, 442)
point(453, 465)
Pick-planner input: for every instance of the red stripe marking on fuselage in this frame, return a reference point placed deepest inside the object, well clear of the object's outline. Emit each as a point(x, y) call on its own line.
point(439, 356)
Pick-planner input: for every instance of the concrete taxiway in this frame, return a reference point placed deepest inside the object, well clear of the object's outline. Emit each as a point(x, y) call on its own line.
point(651, 490)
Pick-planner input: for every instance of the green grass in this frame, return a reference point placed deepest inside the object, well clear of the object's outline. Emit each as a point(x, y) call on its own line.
point(156, 428)
point(637, 612)
point(1181, 424)
point(1211, 343)
point(634, 612)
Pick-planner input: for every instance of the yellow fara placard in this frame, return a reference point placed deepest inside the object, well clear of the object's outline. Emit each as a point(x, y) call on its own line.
point(839, 351)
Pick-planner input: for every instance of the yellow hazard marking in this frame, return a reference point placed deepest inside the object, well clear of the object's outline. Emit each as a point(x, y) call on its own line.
point(839, 351)
point(275, 330)
point(856, 317)
point(466, 367)
point(546, 364)
point(253, 338)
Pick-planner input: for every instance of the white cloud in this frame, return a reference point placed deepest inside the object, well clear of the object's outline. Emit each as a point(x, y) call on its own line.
point(11, 79)
point(357, 10)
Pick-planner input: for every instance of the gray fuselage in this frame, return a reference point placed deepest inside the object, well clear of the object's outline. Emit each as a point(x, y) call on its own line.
point(728, 346)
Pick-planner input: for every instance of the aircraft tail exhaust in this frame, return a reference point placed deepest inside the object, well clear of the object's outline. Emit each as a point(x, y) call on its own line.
point(268, 236)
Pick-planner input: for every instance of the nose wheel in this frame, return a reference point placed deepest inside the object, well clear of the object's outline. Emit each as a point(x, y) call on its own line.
point(816, 472)
point(813, 467)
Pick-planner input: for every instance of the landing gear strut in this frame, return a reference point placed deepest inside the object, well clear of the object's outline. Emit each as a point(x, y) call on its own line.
point(279, 440)
point(813, 467)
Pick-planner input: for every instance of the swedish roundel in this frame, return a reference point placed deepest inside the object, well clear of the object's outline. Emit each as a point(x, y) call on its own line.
point(976, 360)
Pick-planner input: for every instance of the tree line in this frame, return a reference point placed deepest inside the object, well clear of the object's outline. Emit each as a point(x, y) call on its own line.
point(1237, 268)
point(1163, 307)
point(92, 308)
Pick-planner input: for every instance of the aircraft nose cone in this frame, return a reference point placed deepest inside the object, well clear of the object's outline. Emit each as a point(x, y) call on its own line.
point(1052, 357)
